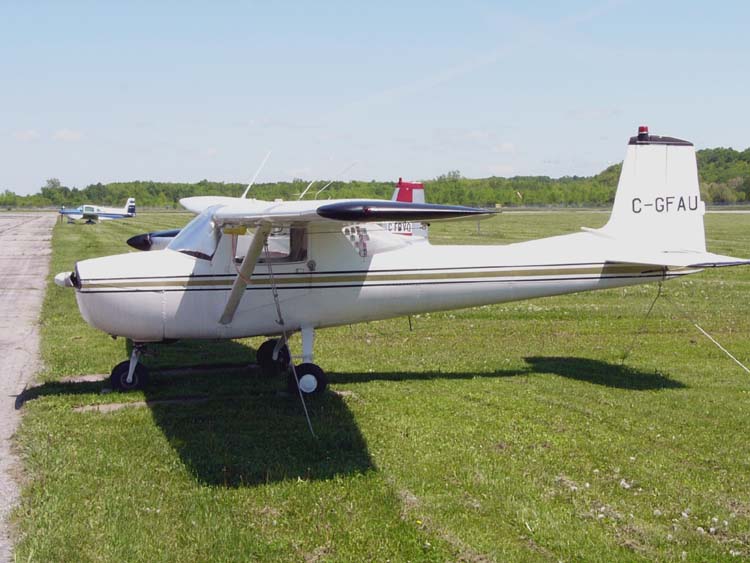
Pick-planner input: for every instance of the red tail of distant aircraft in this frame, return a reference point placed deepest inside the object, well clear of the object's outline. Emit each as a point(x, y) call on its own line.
point(408, 192)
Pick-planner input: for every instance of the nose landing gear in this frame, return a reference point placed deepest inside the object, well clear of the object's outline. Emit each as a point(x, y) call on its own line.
point(274, 358)
point(307, 378)
point(130, 374)
point(312, 379)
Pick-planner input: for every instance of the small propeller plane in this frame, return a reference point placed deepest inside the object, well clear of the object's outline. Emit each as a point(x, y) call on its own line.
point(219, 278)
point(93, 213)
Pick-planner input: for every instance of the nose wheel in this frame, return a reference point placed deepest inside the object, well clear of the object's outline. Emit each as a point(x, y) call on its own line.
point(312, 379)
point(130, 374)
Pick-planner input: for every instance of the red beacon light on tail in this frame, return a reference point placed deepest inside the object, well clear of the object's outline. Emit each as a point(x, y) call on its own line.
point(643, 133)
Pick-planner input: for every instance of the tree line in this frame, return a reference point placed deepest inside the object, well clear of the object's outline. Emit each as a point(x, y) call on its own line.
point(724, 179)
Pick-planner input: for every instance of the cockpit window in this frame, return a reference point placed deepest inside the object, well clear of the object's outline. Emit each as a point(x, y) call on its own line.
point(199, 238)
point(285, 244)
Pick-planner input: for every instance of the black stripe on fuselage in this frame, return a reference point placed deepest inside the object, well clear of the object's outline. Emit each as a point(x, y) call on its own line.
point(659, 275)
point(366, 272)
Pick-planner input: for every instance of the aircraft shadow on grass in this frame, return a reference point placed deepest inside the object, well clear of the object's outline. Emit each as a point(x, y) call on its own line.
point(237, 429)
point(582, 369)
point(233, 427)
point(250, 431)
point(239, 435)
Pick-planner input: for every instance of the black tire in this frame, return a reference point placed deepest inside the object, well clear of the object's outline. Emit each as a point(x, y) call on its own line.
point(118, 377)
point(312, 380)
point(264, 357)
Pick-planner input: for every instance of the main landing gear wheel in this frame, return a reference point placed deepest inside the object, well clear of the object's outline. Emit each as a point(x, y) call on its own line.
point(264, 357)
point(119, 377)
point(312, 380)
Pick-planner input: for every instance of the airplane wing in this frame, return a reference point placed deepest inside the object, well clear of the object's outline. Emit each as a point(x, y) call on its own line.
point(364, 211)
point(234, 211)
point(230, 212)
point(198, 204)
point(77, 214)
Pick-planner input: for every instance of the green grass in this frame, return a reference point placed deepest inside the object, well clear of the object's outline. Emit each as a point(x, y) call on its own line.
point(510, 432)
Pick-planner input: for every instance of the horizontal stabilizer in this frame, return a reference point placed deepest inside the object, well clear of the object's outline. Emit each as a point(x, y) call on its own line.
point(677, 259)
point(625, 252)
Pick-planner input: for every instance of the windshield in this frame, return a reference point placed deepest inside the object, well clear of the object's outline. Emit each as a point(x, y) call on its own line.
point(199, 238)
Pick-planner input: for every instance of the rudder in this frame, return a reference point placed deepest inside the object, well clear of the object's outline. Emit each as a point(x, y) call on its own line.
point(657, 204)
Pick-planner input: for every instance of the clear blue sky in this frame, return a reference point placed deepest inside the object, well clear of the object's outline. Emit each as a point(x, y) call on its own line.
point(104, 91)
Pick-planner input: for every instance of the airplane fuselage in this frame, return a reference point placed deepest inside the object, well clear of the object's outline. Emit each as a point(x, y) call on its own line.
point(177, 296)
point(335, 262)
point(99, 213)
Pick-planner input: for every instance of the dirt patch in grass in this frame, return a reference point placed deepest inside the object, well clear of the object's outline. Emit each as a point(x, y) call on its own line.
point(111, 407)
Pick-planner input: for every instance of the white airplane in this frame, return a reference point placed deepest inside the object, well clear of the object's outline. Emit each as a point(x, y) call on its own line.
point(342, 267)
point(94, 213)
point(408, 192)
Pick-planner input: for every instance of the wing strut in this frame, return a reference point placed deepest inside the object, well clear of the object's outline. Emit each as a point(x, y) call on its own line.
point(245, 272)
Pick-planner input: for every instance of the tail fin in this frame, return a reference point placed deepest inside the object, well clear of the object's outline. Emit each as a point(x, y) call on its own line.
point(408, 192)
point(130, 206)
point(657, 205)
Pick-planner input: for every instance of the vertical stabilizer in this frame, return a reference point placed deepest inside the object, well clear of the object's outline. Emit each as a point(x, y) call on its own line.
point(130, 207)
point(408, 192)
point(657, 204)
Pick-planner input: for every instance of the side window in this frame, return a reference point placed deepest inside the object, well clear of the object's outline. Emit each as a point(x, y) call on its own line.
point(285, 244)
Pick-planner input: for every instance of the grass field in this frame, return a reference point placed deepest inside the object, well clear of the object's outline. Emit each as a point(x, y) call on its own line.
point(510, 432)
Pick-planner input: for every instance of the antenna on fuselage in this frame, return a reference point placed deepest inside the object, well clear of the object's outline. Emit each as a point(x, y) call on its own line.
point(352, 165)
point(250, 185)
point(305, 190)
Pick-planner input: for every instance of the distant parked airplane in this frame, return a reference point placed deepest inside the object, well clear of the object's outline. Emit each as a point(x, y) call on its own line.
point(93, 213)
point(408, 192)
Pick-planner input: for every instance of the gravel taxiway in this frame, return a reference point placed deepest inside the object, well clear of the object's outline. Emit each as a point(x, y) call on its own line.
point(24, 264)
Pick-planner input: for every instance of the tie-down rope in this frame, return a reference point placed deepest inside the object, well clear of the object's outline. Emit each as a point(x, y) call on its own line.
point(280, 321)
point(686, 317)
